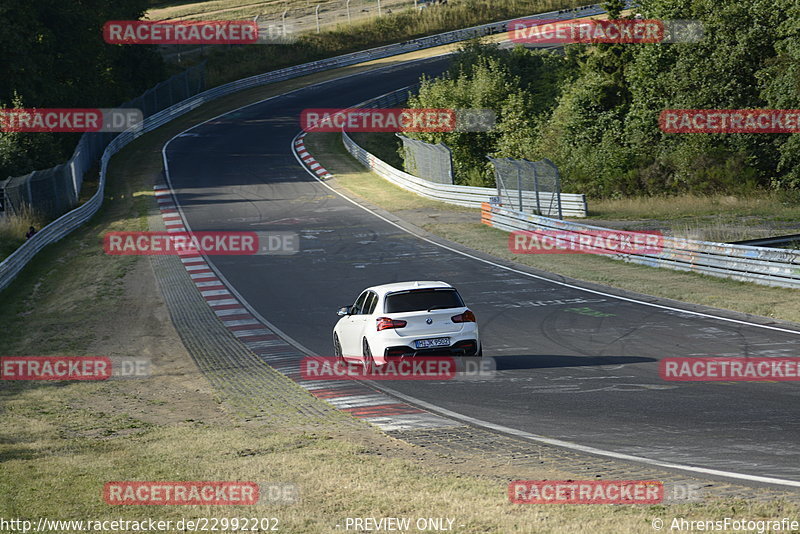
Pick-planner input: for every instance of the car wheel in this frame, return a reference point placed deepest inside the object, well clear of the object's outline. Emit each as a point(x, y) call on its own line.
point(337, 349)
point(368, 362)
point(479, 354)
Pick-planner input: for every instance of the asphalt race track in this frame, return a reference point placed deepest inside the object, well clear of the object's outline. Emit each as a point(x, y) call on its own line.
point(587, 379)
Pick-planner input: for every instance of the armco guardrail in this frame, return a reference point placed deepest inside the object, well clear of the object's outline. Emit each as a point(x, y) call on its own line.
point(767, 266)
point(12, 265)
point(572, 205)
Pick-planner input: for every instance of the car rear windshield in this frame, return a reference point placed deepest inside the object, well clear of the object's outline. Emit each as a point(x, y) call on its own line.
point(422, 300)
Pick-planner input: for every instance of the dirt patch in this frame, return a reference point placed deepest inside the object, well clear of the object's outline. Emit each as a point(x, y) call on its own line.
point(177, 391)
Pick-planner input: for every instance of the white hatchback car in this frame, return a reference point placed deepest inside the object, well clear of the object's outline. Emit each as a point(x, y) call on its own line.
point(405, 319)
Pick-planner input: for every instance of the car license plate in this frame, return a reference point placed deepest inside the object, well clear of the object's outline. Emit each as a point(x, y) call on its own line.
point(436, 342)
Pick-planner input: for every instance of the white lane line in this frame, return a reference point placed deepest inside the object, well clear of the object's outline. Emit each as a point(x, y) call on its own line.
point(409, 421)
point(288, 369)
point(232, 311)
point(252, 333)
point(240, 322)
point(255, 345)
point(214, 292)
point(359, 401)
point(284, 356)
point(323, 384)
point(208, 284)
point(222, 302)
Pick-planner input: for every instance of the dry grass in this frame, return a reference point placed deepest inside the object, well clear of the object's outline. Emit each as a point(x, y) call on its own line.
point(383, 145)
point(727, 229)
point(777, 206)
point(60, 444)
point(720, 218)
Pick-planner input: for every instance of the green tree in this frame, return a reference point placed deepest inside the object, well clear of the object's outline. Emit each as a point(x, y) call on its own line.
point(52, 55)
point(520, 86)
point(21, 153)
point(780, 88)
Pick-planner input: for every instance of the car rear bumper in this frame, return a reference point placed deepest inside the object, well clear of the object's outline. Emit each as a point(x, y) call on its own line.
point(464, 347)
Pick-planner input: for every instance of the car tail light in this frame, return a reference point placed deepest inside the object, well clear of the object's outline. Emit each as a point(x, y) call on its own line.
point(466, 317)
point(385, 322)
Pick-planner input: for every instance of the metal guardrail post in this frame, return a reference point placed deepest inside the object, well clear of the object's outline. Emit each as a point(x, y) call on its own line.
point(4, 206)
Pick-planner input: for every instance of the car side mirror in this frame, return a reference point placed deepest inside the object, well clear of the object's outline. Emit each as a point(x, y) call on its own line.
point(344, 311)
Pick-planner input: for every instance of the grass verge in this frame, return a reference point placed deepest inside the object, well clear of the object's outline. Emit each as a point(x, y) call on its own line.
point(383, 145)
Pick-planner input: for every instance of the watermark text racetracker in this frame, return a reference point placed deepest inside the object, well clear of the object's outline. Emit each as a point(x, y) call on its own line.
point(730, 121)
point(622, 31)
point(710, 369)
point(543, 241)
point(397, 120)
point(196, 32)
point(133, 493)
point(586, 492)
point(73, 367)
point(63, 120)
point(208, 243)
point(601, 492)
point(401, 368)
